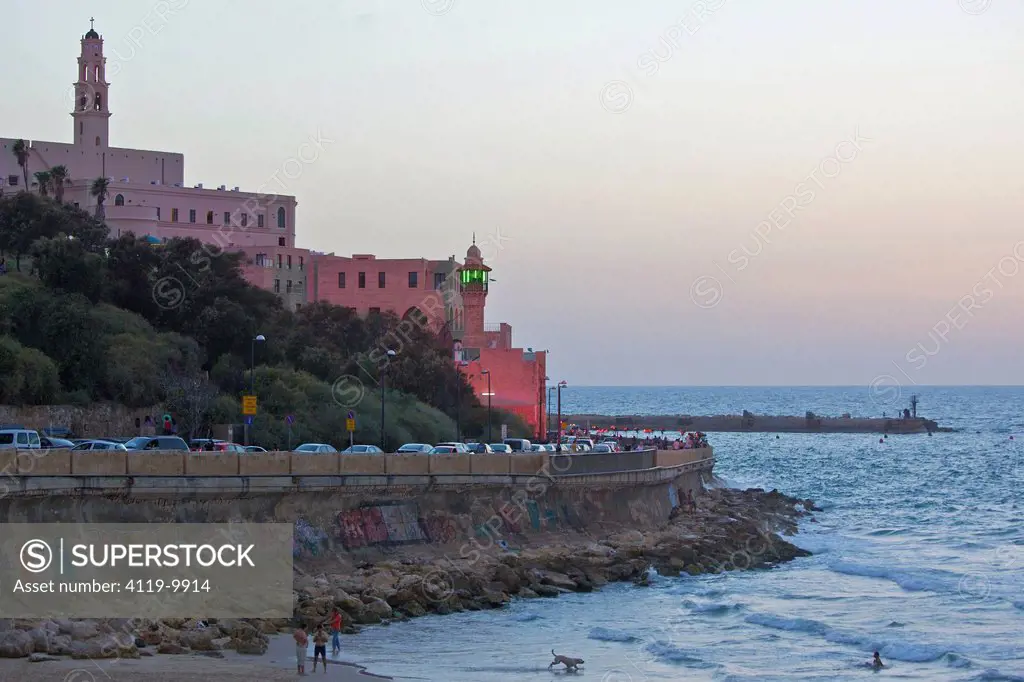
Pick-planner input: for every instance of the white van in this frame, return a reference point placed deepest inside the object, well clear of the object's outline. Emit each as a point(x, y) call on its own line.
point(19, 439)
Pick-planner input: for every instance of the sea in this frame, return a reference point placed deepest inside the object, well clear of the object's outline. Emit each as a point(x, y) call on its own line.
point(918, 554)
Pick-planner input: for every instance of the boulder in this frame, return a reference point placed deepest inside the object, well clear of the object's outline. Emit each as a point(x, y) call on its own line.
point(40, 640)
point(16, 644)
point(198, 640)
point(255, 647)
point(104, 646)
point(59, 645)
point(380, 608)
point(84, 629)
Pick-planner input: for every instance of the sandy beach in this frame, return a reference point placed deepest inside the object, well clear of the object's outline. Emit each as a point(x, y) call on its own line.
point(277, 664)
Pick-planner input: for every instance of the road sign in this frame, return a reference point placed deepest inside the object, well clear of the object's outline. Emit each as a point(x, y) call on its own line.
point(504, 431)
point(248, 421)
point(350, 425)
point(248, 405)
point(290, 419)
point(351, 415)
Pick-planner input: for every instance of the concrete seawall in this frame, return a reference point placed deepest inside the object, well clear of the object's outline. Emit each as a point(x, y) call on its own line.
point(408, 505)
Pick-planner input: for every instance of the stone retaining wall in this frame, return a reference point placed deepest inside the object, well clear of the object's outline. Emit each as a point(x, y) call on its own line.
point(258, 464)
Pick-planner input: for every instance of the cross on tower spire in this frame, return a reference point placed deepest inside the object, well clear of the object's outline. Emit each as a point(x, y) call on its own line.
point(92, 20)
point(474, 237)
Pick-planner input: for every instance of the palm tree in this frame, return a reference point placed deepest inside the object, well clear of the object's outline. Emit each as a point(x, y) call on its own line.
point(43, 179)
point(21, 151)
point(100, 188)
point(59, 178)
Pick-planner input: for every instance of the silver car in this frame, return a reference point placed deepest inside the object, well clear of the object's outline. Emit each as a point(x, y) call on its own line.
point(415, 448)
point(359, 450)
point(100, 445)
point(314, 448)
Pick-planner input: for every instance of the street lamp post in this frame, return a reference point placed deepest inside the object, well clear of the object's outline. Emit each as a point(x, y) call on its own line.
point(383, 373)
point(259, 338)
point(550, 391)
point(561, 385)
point(540, 401)
point(490, 439)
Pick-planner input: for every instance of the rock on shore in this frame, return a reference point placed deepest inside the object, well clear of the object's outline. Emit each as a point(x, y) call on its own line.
point(730, 530)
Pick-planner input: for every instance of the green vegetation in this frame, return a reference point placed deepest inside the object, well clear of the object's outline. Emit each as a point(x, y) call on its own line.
point(122, 320)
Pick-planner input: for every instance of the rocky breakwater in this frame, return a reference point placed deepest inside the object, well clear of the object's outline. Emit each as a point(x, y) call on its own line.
point(729, 530)
point(133, 638)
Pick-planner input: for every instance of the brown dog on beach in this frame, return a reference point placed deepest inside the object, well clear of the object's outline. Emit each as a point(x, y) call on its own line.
point(569, 662)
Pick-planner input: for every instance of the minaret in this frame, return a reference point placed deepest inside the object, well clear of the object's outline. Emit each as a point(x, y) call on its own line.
point(91, 114)
point(473, 278)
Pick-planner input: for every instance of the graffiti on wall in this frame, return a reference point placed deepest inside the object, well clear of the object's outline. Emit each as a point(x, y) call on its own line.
point(308, 540)
point(386, 524)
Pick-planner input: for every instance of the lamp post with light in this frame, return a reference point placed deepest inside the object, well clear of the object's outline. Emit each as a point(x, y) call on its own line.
point(561, 385)
point(489, 394)
point(383, 374)
point(259, 338)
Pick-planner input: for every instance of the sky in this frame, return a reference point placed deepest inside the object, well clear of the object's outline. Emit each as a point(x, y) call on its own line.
point(721, 192)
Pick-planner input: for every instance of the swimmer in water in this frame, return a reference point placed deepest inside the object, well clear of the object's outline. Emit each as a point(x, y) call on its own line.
point(876, 662)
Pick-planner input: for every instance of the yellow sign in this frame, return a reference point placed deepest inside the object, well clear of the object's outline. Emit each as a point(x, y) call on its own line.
point(249, 405)
point(350, 425)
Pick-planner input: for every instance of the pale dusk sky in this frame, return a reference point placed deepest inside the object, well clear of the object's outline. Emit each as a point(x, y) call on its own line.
point(625, 152)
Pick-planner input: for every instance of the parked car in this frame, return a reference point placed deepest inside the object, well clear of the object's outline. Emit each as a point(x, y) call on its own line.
point(199, 444)
point(156, 443)
point(21, 439)
point(602, 448)
point(518, 444)
point(254, 448)
point(315, 447)
point(480, 448)
point(501, 448)
point(100, 445)
point(48, 443)
point(360, 450)
point(219, 446)
point(584, 442)
point(415, 448)
point(444, 450)
point(459, 447)
point(537, 447)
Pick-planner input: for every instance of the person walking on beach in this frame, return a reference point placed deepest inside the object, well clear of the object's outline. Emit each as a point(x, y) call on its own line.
point(336, 632)
point(320, 647)
point(301, 642)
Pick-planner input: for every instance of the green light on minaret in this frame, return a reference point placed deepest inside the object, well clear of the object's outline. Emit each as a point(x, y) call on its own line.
point(472, 278)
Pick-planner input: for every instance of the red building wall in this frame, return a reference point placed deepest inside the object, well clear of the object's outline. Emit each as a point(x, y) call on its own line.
point(517, 382)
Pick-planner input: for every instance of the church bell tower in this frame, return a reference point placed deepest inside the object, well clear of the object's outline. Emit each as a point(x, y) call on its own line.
point(91, 114)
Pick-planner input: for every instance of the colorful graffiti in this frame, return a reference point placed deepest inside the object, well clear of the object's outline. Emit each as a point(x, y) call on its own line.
point(381, 525)
point(308, 540)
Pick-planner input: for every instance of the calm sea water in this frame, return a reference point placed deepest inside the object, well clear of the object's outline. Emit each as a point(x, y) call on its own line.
point(918, 554)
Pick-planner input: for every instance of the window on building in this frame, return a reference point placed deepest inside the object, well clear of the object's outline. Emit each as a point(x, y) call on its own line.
point(288, 287)
point(12, 180)
point(302, 266)
point(245, 220)
point(439, 280)
point(298, 306)
point(157, 212)
point(278, 261)
point(289, 262)
point(259, 220)
point(414, 280)
point(209, 217)
point(277, 286)
point(119, 200)
point(97, 140)
point(375, 311)
point(380, 280)
point(174, 215)
point(280, 217)
point(280, 241)
point(341, 280)
point(362, 280)
point(191, 215)
point(227, 218)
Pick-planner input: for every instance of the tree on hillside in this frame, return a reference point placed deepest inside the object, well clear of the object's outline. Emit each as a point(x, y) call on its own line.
point(21, 152)
point(100, 189)
point(64, 264)
point(43, 179)
point(190, 398)
point(59, 179)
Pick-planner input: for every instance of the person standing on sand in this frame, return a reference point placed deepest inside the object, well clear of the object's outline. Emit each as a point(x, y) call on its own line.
point(320, 647)
point(336, 632)
point(301, 642)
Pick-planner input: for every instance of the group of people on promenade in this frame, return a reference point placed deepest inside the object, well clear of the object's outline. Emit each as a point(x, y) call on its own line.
point(689, 441)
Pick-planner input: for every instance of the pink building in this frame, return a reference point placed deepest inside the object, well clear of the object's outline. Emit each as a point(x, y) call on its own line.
point(148, 194)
